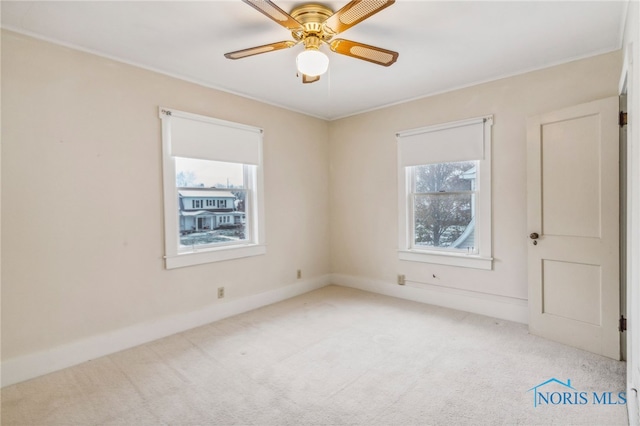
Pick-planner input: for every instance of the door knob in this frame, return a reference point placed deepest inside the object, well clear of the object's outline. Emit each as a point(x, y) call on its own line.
point(534, 236)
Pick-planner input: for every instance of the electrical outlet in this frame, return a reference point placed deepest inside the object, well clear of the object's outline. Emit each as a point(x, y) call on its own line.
point(299, 275)
point(401, 279)
point(220, 292)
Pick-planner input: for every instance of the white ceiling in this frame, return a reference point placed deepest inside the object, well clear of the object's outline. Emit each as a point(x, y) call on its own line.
point(443, 45)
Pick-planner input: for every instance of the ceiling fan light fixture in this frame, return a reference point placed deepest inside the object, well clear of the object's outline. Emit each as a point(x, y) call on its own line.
point(313, 25)
point(312, 62)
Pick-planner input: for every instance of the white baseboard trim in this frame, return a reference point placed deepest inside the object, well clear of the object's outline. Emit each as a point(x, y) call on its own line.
point(502, 307)
point(36, 364)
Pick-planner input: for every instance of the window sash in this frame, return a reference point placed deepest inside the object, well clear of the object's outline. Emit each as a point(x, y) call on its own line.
point(443, 193)
point(412, 196)
point(250, 236)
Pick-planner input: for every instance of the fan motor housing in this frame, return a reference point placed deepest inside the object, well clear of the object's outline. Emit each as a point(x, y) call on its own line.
point(311, 16)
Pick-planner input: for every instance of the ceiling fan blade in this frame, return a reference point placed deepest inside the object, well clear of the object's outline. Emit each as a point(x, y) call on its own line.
point(268, 8)
point(377, 55)
point(239, 54)
point(354, 12)
point(309, 79)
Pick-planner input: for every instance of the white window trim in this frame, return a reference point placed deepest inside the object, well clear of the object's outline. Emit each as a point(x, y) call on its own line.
point(483, 259)
point(175, 258)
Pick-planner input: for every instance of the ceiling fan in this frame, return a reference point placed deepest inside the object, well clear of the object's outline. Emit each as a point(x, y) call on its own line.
point(315, 24)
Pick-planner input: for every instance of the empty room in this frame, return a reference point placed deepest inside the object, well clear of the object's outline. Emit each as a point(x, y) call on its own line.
point(367, 212)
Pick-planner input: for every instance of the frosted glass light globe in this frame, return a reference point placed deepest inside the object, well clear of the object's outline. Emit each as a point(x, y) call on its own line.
point(312, 62)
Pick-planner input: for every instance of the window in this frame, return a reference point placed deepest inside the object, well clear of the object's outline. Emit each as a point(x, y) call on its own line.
point(445, 194)
point(211, 164)
point(444, 201)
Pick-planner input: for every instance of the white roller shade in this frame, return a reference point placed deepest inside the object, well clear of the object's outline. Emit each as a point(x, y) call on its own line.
point(194, 136)
point(460, 141)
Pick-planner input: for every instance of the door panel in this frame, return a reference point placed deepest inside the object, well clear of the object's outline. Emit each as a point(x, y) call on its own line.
point(571, 204)
point(561, 281)
point(572, 190)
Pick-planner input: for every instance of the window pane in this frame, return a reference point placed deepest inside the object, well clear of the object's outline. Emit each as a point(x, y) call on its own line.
point(445, 221)
point(193, 173)
point(445, 177)
point(211, 202)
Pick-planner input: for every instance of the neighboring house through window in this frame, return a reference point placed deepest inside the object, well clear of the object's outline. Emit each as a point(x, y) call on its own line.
point(212, 189)
point(444, 175)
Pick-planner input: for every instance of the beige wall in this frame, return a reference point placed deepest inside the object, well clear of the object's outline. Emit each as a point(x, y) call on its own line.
point(364, 180)
point(82, 210)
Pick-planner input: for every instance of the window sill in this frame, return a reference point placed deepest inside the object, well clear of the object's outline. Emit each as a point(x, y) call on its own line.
point(450, 259)
point(214, 255)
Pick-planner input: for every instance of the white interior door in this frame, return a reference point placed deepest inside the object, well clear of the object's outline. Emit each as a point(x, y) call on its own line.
point(573, 222)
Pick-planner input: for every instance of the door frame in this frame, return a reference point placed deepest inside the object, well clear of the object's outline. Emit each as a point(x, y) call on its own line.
point(630, 86)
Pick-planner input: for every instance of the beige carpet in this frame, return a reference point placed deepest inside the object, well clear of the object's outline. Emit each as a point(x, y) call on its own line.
point(335, 356)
